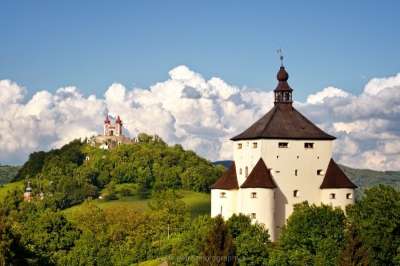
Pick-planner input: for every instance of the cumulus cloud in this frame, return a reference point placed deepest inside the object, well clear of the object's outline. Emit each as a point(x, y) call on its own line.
point(201, 115)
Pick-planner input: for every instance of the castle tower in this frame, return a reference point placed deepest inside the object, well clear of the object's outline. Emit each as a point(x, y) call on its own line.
point(279, 161)
point(28, 193)
point(107, 124)
point(118, 127)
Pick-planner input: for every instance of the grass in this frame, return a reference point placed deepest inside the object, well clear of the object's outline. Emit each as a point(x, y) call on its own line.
point(10, 186)
point(198, 203)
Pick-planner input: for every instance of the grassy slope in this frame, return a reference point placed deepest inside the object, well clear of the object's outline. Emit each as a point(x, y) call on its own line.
point(7, 187)
point(198, 203)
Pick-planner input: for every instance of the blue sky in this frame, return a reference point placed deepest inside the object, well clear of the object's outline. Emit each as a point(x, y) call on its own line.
point(90, 44)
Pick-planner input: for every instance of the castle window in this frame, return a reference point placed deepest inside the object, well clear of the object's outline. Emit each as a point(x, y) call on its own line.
point(282, 144)
point(253, 195)
point(246, 171)
point(296, 193)
point(240, 145)
point(222, 195)
point(277, 157)
point(332, 196)
point(320, 172)
point(240, 171)
point(255, 145)
point(295, 172)
point(298, 157)
point(349, 196)
point(309, 145)
point(253, 216)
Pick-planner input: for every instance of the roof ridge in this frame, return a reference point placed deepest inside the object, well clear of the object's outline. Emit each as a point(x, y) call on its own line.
point(310, 122)
point(270, 119)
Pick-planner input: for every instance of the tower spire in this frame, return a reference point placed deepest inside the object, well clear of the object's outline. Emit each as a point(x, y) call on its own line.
point(283, 92)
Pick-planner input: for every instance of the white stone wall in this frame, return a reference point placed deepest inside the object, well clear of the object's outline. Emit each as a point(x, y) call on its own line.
point(338, 197)
point(226, 206)
point(263, 205)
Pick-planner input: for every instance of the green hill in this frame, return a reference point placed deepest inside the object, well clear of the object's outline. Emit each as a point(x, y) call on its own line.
point(365, 178)
point(8, 173)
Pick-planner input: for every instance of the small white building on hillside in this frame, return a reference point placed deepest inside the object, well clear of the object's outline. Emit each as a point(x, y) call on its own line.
point(280, 160)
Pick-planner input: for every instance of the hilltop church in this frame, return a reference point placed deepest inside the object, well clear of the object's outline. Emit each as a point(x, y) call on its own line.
point(112, 135)
point(280, 160)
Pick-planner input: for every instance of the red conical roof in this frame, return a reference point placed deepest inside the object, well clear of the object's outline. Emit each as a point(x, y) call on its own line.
point(335, 178)
point(228, 180)
point(260, 177)
point(118, 121)
point(107, 120)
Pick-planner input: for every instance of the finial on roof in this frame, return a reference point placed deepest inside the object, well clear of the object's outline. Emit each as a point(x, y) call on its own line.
point(280, 53)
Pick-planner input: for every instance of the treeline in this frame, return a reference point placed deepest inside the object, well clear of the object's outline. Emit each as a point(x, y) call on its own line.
point(32, 234)
point(77, 171)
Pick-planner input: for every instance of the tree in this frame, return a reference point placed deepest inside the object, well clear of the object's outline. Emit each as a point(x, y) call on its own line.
point(48, 235)
point(218, 248)
point(316, 231)
point(188, 244)
point(251, 240)
point(376, 217)
point(354, 253)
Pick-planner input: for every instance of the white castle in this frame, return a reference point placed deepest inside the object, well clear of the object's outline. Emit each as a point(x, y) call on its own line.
point(280, 160)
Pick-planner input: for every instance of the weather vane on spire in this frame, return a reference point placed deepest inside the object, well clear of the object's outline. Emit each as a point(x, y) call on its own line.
point(280, 53)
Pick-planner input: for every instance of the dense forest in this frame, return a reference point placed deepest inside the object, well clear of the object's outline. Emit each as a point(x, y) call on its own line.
point(41, 233)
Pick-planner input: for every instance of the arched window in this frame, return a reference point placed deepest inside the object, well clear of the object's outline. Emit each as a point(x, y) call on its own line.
point(349, 196)
point(296, 193)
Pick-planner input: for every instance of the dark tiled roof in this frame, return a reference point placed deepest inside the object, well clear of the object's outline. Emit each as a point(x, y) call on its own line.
point(335, 178)
point(283, 122)
point(260, 177)
point(228, 180)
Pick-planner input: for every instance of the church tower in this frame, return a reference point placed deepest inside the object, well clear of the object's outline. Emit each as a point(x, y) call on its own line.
point(279, 161)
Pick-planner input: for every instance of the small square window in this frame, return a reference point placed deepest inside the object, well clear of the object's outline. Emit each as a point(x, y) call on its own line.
point(254, 145)
point(222, 195)
point(309, 145)
point(295, 172)
point(240, 171)
point(253, 216)
point(240, 145)
point(320, 172)
point(283, 145)
point(253, 195)
point(332, 196)
point(349, 196)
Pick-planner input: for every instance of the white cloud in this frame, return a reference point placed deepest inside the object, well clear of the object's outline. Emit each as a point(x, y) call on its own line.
point(329, 92)
point(201, 115)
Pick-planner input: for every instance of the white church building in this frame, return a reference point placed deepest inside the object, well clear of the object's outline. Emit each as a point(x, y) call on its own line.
point(281, 160)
